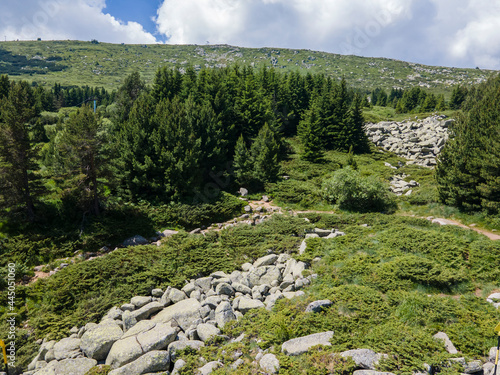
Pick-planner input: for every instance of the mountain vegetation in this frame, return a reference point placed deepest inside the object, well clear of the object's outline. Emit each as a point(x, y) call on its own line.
point(167, 146)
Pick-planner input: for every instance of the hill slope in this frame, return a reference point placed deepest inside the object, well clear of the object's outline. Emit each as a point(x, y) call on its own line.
point(102, 64)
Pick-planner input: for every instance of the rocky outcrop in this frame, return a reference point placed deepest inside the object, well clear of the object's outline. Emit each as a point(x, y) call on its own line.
point(419, 141)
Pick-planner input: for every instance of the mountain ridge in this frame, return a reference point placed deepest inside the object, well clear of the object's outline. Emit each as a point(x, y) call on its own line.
point(105, 64)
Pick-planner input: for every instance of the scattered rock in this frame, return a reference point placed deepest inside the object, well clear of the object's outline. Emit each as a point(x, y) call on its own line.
point(134, 241)
point(450, 348)
point(270, 364)
point(318, 306)
point(301, 345)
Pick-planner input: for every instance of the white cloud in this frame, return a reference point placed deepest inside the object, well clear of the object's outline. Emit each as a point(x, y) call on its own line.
point(67, 19)
point(434, 32)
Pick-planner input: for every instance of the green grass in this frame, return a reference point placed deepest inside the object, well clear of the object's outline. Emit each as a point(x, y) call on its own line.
point(376, 114)
point(107, 65)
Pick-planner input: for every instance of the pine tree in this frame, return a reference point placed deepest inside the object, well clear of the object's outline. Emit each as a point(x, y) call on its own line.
point(17, 154)
point(4, 86)
point(128, 93)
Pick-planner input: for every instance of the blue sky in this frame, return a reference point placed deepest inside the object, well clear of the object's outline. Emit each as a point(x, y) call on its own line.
point(457, 33)
point(142, 12)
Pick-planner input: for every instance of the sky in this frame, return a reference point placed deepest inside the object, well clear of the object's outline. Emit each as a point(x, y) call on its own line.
point(455, 33)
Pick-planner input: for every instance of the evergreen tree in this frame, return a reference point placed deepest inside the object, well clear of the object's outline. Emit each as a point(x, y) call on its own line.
point(441, 103)
point(468, 170)
point(4, 86)
point(242, 163)
point(265, 152)
point(17, 154)
point(356, 138)
point(458, 96)
point(128, 93)
point(310, 135)
point(81, 145)
point(429, 103)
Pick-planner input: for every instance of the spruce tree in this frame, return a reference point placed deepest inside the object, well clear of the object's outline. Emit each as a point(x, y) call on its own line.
point(468, 170)
point(310, 135)
point(242, 164)
point(265, 156)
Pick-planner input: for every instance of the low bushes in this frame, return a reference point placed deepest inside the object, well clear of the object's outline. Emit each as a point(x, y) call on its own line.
point(351, 191)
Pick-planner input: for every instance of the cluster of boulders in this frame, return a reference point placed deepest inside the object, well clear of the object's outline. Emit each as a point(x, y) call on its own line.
point(142, 336)
point(399, 186)
point(419, 141)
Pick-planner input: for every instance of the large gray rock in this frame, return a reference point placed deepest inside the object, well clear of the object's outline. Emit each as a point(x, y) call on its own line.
point(247, 304)
point(450, 348)
point(265, 261)
point(176, 295)
point(142, 326)
point(238, 287)
point(301, 345)
point(146, 311)
point(124, 351)
point(77, 366)
point(270, 364)
point(264, 275)
point(134, 241)
point(97, 342)
point(157, 338)
point(67, 348)
point(182, 313)
point(364, 358)
point(183, 344)
point(209, 368)
point(318, 306)
point(224, 288)
point(139, 301)
point(204, 283)
point(207, 331)
point(224, 313)
point(153, 361)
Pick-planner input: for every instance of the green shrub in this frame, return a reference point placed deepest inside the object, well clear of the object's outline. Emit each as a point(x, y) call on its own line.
point(351, 191)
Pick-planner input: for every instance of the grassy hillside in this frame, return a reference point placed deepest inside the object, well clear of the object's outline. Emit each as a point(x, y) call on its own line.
point(76, 62)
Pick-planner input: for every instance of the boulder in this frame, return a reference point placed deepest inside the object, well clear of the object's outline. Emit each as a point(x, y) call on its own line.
point(207, 331)
point(67, 348)
point(364, 358)
point(146, 311)
point(140, 301)
point(124, 351)
point(247, 304)
point(224, 313)
point(157, 338)
point(182, 313)
point(204, 283)
point(238, 287)
point(209, 368)
point(183, 344)
point(134, 241)
point(176, 295)
point(153, 361)
point(142, 326)
point(270, 364)
point(76, 366)
point(301, 345)
point(97, 342)
point(318, 306)
point(265, 261)
point(224, 288)
point(450, 348)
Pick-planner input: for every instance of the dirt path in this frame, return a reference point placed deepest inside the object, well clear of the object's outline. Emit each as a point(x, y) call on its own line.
point(440, 221)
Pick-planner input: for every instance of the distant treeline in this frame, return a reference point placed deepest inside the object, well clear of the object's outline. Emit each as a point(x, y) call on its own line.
point(418, 100)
